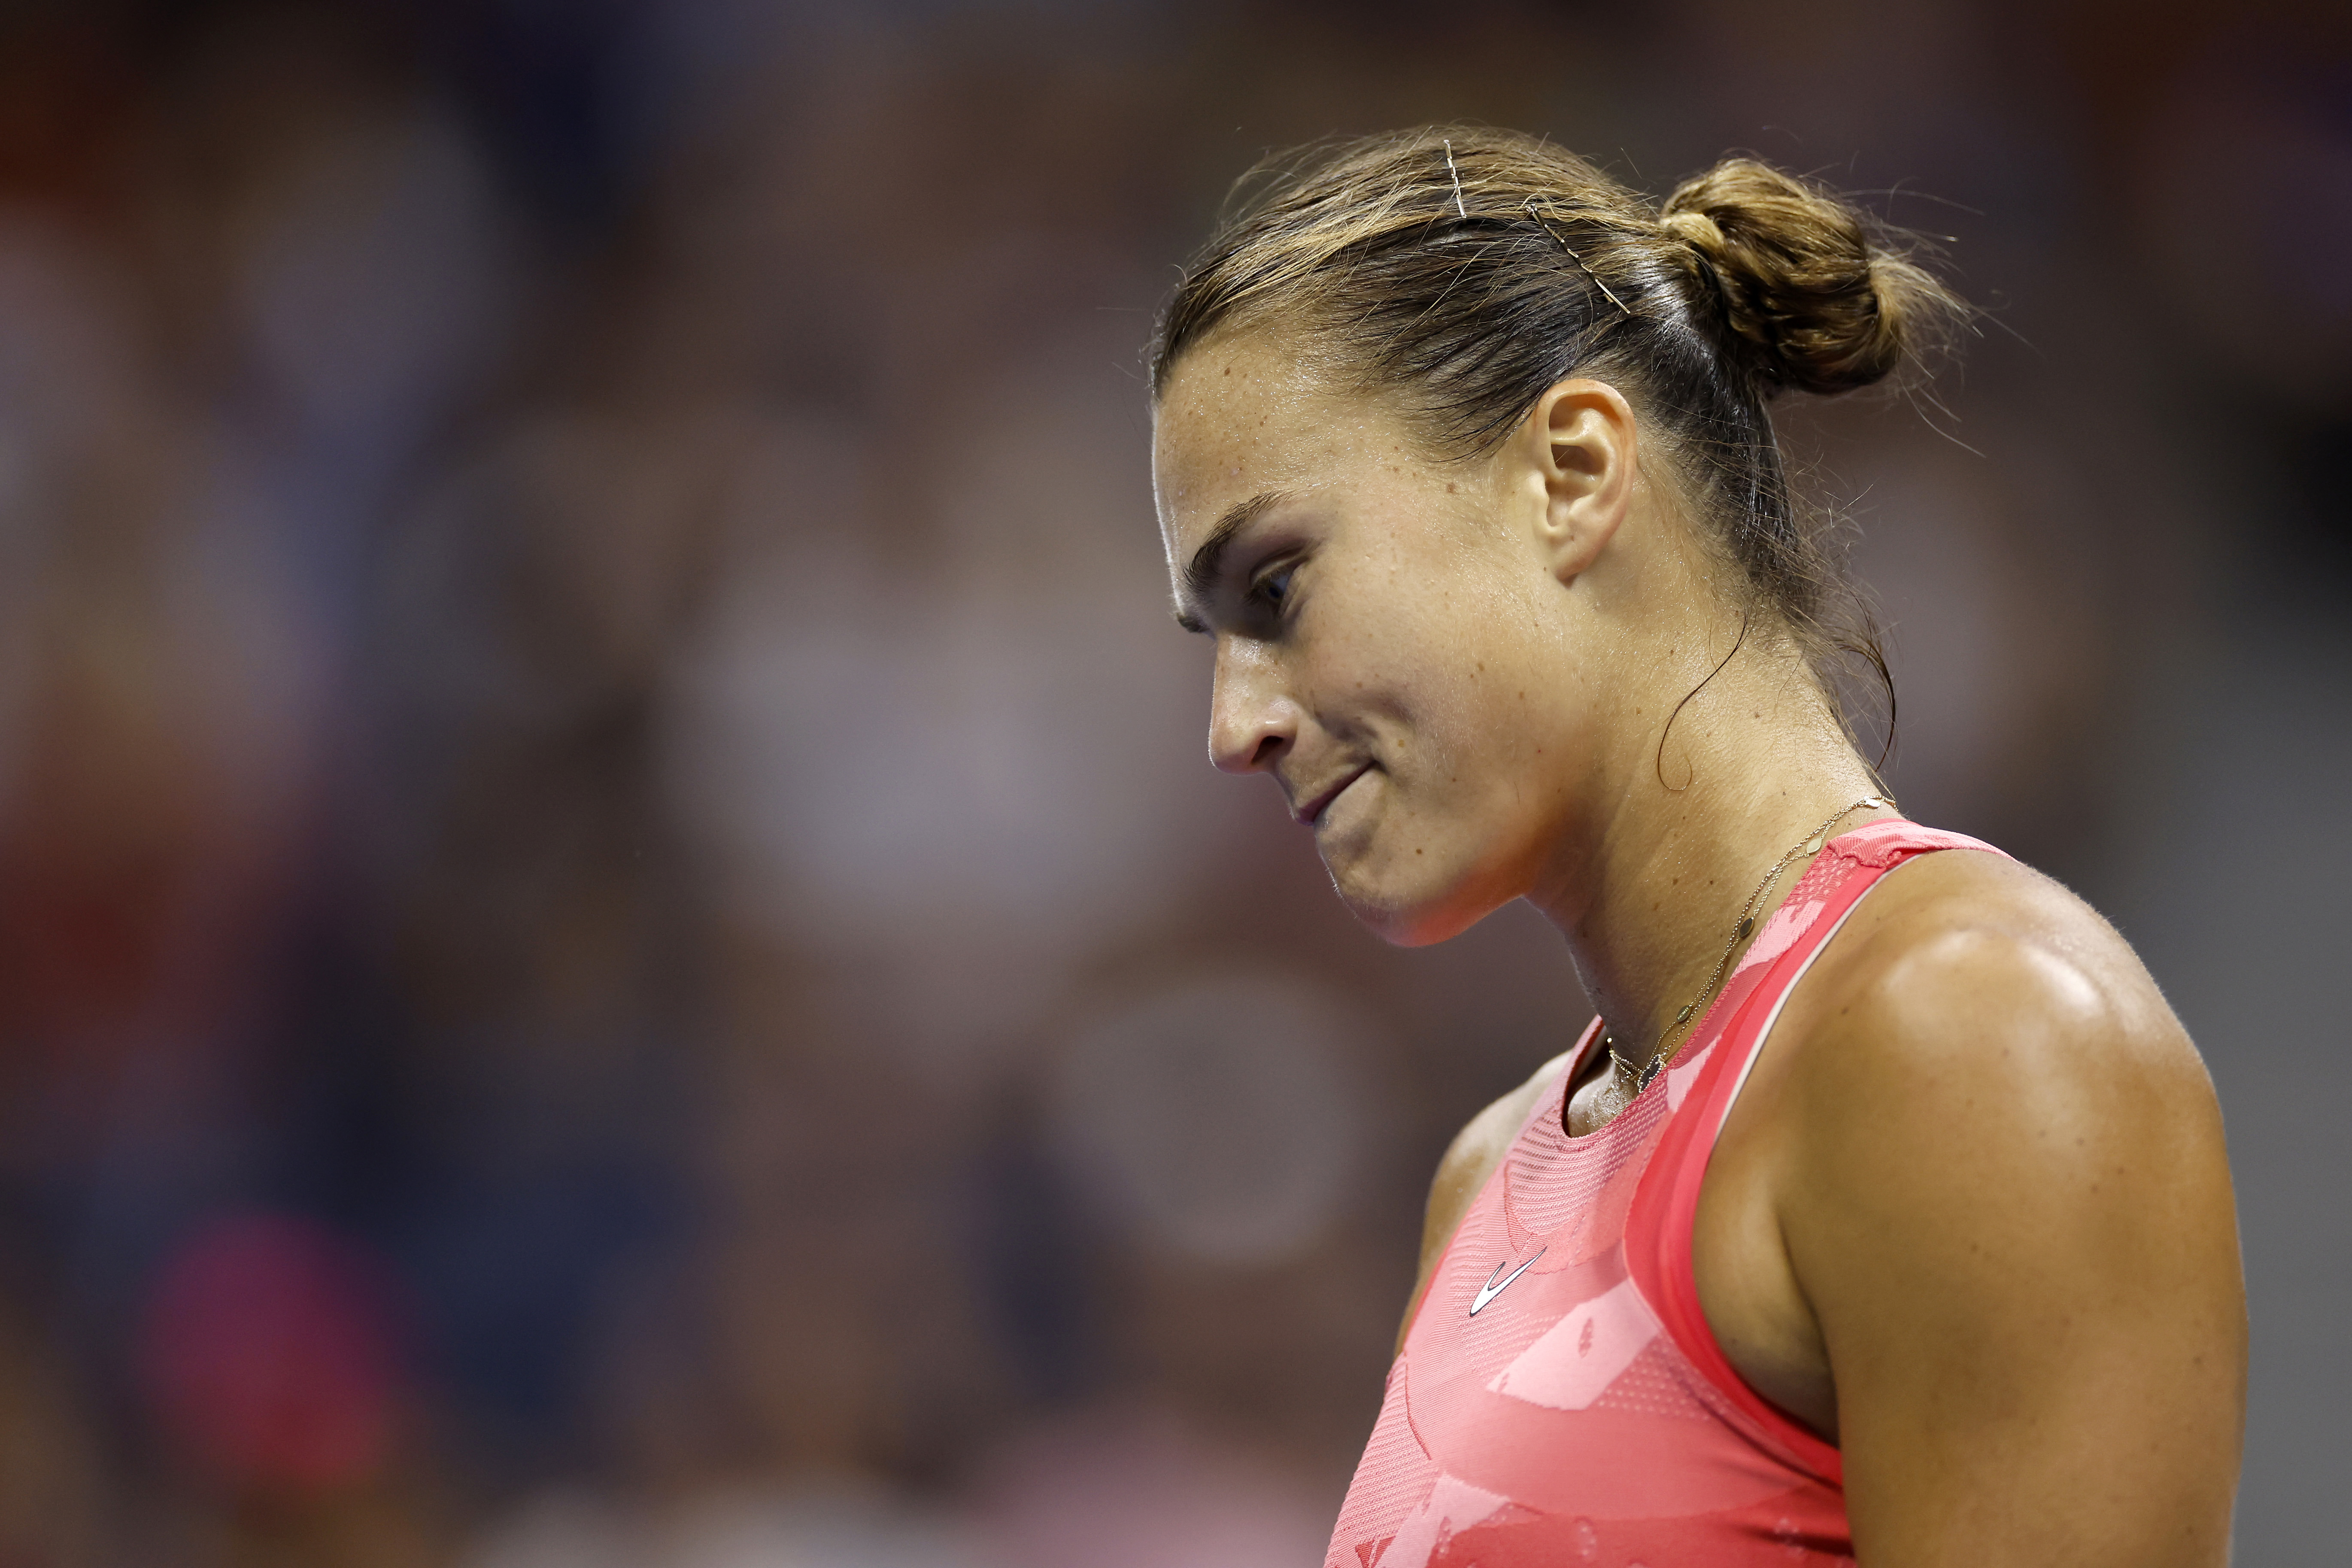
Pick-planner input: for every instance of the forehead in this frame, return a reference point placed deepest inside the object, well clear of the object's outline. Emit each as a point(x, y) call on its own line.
point(1244, 415)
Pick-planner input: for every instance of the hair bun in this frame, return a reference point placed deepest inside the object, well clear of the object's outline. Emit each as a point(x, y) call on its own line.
point(1812, 297)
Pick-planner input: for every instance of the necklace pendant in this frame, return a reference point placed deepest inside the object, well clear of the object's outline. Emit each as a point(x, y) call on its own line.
point(1650, 1070)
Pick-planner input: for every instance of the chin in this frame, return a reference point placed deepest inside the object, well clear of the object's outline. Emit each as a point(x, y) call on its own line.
point(1410, 917)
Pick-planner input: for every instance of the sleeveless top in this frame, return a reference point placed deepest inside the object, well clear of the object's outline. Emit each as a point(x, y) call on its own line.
point(1560, 1399)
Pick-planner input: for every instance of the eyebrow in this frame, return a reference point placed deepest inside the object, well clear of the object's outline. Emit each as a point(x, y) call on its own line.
point(1200, 572)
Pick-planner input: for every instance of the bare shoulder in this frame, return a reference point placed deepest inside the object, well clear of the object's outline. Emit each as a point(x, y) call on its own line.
point(2004, 1196)
point(1977, 1008)
point(1964, 966)
point(1470, 1160)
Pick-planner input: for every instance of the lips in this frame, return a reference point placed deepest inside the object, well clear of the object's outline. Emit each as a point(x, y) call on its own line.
point(1308, 814)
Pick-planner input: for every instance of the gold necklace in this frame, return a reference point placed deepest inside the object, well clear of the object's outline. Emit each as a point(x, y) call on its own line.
point(1659, 1054)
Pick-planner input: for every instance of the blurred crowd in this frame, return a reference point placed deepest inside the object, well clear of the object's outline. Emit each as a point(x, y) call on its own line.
point(615, 946)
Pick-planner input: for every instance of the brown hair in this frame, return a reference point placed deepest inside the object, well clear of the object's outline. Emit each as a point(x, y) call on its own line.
point(1466, 270)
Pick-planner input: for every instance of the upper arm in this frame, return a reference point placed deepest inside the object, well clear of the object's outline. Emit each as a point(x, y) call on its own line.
point(2010, 1210)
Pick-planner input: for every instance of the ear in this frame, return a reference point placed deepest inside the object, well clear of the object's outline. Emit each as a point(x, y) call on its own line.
point(1575, 457)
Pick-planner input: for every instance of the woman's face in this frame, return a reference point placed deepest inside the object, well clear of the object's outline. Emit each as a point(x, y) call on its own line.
point(1395, 642)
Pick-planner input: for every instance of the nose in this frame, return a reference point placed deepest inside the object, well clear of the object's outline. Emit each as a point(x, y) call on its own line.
point(1252, 720)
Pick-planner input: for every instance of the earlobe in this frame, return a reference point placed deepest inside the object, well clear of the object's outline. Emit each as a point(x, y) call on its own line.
point(1580, 438)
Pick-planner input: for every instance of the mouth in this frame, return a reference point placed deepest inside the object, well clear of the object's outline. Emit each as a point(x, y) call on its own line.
point(1311, 812)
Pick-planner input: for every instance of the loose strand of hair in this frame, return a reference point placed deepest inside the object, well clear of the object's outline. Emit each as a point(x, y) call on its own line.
point(1659, 765)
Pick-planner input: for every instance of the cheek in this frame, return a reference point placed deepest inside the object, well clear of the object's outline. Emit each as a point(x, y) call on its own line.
point(1491, 690)
point(1403, 684)
point(1455, 672)
point(1471, 731)
point(1506, 743)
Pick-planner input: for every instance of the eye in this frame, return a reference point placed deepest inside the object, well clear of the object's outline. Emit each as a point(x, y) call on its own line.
point(1272, 588)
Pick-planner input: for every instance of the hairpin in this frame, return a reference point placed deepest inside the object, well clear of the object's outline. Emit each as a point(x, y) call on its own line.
point(1542, 218)
point(1460, 211)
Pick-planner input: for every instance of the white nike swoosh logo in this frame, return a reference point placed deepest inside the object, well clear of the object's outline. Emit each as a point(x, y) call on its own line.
point(1489, 1290)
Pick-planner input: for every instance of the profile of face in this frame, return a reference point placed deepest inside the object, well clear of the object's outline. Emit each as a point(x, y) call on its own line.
point(1430, 657)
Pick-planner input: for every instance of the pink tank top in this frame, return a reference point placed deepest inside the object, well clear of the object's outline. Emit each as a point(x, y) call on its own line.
point(1560, 1399)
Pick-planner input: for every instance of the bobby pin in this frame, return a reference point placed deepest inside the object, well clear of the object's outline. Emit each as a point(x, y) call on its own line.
point(1541, 217)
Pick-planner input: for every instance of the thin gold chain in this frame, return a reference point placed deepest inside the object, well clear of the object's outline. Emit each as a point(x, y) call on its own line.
point(1740, 930)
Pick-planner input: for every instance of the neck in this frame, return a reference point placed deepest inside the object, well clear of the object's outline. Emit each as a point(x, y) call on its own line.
point(1648, 899)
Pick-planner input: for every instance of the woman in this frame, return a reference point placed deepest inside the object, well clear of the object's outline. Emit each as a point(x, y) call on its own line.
point(1462, 459)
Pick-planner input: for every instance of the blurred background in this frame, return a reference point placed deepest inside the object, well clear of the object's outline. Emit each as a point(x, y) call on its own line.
point(616, 949)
